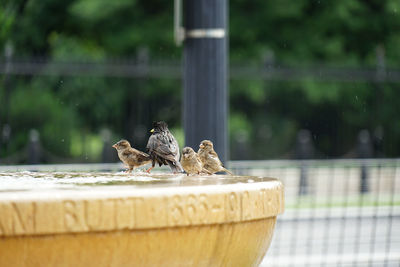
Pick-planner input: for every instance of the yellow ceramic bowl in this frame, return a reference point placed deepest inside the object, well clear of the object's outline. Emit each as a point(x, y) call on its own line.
point(138, 220)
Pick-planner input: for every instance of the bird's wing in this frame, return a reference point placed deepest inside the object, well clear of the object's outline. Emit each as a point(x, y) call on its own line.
point(141, 156)
point(151, 143)
point(160, 145)
point(198, 159)
point(129, 154)
point(175, 148)
point(172, 143)
point(213, 156)
point(138, 152)
point(202, 154)
point(201, 163)
point(126, 152)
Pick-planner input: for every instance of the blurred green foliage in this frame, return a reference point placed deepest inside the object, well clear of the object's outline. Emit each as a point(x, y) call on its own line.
point(73, 109)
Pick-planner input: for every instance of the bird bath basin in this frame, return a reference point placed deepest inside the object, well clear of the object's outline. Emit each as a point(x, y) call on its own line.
point(105, 219)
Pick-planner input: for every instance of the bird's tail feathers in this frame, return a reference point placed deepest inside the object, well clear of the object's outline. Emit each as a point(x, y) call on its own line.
point(204, 170)
point(175, 166)
point(227, 171)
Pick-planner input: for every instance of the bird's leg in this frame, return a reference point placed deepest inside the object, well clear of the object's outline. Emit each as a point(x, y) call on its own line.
point(127, 168)
point(149, 169)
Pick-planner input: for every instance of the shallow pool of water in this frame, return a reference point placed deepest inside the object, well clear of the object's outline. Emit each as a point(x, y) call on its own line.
point(22, 181)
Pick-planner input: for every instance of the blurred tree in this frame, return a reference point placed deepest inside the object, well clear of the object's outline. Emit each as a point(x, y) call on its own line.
point(273, 33)
point(37, 107)
point(91, 30)
point(304, 32)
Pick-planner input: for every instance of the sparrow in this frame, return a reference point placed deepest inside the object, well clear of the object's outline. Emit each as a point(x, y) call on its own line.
point(191, 162)
point(131, 157)
point(210, 158)
point(163, 147)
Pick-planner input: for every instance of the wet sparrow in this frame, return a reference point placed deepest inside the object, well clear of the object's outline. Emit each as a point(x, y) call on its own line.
point(163, 147)
point(131, 157)
point(191, 162)
point(210, 158)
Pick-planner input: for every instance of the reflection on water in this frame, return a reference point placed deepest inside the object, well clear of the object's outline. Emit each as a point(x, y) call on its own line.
point(22, 181)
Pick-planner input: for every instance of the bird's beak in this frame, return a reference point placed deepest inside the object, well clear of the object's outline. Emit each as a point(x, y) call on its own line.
point(114, 146)
point(152, 130)
point(201, 146)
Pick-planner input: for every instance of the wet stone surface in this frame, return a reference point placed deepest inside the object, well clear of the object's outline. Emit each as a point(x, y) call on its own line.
point(33, 181)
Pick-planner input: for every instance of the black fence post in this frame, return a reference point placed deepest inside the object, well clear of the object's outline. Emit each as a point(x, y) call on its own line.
point(304, 150)
point(205, 105)
point(34, 148)
point(5, 102)
point(364, 151)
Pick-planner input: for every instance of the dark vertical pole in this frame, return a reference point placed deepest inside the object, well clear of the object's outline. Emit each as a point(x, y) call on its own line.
point(304, 150)
point(205, 74)
point(364, 151)
point(5, 128)
point(34, 148)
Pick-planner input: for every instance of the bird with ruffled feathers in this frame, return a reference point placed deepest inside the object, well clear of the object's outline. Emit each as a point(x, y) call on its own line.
point(163, 147)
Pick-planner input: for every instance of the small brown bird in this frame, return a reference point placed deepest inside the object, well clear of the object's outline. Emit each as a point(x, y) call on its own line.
point(210, 158)
point(163, 147)
point(131, 157)
point(191, 162)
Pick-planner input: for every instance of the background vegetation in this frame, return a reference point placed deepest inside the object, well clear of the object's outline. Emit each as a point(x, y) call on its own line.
point(76, 114)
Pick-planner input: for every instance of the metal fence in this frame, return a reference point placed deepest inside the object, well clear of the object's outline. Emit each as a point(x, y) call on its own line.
point(337, 212)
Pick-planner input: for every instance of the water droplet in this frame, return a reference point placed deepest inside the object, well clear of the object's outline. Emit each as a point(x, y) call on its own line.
point(62, 140)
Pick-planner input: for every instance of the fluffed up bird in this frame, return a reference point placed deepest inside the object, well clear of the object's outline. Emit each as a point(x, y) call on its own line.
point(210, 158)
point(163, 147)
point(133, 158)
point(191, 162)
